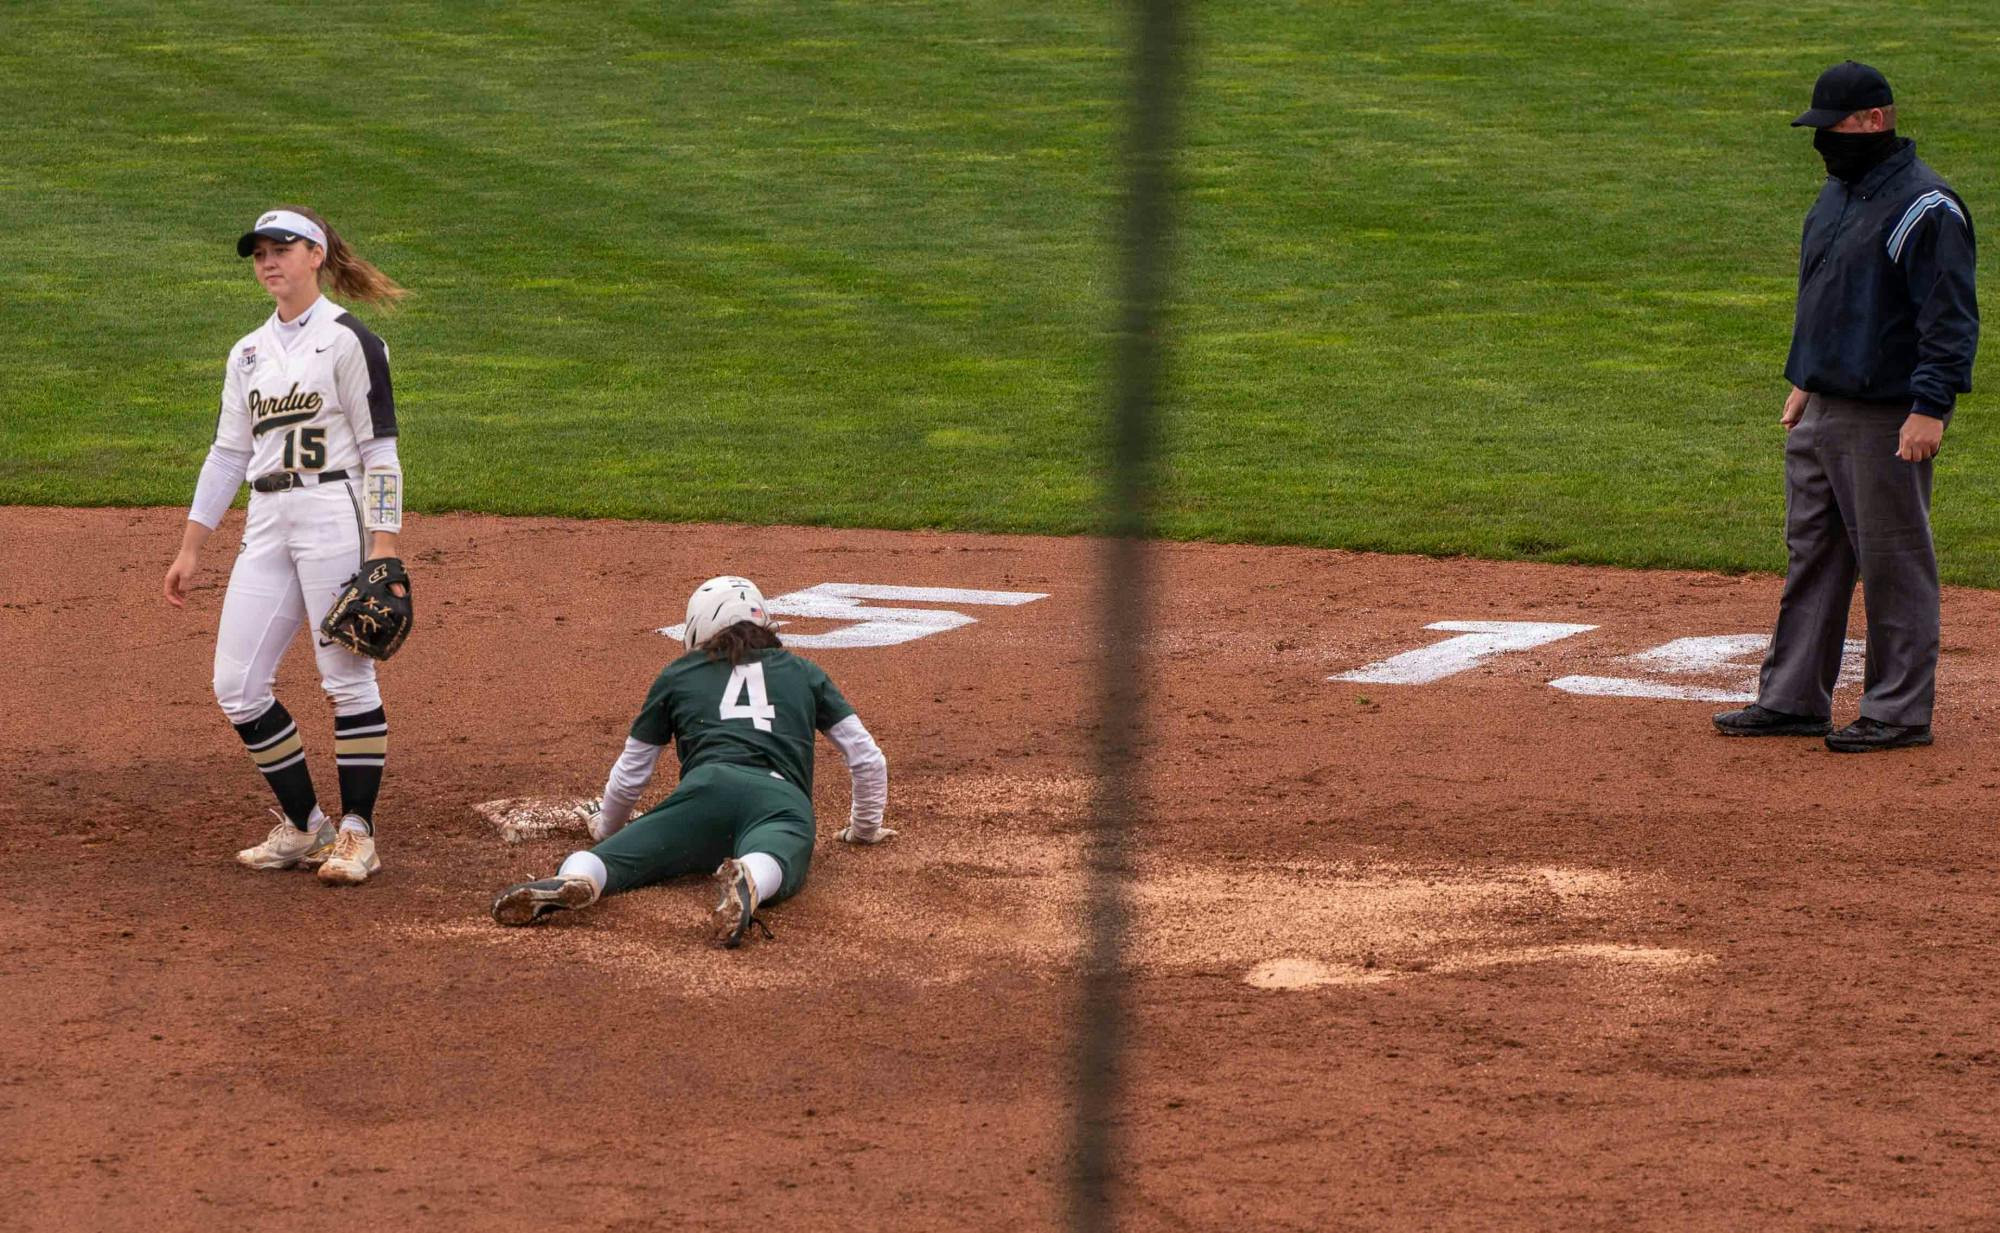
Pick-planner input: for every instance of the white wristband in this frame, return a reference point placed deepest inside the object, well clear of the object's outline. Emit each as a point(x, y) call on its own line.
point(382, 501)
point(381, 486)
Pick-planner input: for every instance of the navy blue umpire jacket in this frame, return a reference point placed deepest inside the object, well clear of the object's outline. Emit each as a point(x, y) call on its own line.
point(1886, 305)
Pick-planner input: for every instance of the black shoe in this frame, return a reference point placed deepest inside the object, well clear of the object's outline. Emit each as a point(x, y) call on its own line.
point(1754, 720)
point(530, 901)
point(1866, 734)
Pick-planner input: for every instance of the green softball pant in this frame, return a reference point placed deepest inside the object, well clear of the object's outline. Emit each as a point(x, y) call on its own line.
point(719, 811)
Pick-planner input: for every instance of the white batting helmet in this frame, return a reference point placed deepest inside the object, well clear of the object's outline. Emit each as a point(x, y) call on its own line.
point(719, 603)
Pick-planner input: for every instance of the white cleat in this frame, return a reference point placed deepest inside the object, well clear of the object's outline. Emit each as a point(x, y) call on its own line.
point(730, 919)
point(530, 901)
point(288, 846)
point(352, 859)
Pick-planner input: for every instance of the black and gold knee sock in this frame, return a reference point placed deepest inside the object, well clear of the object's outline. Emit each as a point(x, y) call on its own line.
point(360, 745)
point(273, 741)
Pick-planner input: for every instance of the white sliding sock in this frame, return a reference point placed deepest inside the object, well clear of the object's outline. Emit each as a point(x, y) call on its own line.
point(765, 872)
point(587, 865)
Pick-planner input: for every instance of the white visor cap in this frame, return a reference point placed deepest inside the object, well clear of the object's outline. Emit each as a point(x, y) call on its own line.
point(283, 226)
point(719, 603)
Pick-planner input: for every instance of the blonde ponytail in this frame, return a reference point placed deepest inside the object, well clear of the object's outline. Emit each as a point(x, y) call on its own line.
point(347, 274)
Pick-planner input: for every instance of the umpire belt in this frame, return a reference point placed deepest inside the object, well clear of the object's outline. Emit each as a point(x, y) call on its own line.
point(280, 481)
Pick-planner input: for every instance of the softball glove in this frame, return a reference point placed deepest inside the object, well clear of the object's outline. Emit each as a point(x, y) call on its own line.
point(373, 614)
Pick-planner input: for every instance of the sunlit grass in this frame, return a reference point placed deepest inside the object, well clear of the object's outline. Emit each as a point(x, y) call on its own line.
point(1505, 279)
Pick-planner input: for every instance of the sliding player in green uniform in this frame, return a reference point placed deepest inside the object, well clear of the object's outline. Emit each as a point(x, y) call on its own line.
point(742, 712)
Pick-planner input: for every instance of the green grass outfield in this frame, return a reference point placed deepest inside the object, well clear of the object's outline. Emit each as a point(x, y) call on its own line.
point(1511, 279)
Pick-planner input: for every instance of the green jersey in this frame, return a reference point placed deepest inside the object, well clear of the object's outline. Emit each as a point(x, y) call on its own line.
point(762, 712)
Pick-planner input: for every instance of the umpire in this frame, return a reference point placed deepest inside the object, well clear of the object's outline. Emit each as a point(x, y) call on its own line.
point(1881, 348)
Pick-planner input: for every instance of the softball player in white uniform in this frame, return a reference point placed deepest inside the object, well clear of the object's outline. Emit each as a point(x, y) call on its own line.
point(309, 418)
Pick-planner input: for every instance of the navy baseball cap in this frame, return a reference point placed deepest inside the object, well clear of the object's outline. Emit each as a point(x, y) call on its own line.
point(1842, 90)
point(283, 226)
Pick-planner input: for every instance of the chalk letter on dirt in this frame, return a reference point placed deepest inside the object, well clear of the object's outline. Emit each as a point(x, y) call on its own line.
point(1476, 641)
point(842, 601)
point(1717, 656)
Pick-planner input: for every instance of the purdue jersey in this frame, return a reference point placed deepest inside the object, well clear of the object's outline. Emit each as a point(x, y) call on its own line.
point(762, 712)
point(308, 408)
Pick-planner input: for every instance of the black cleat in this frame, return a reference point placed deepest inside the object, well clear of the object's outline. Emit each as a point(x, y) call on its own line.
point(1754, 720)
point(1865, 735)
point(530, 901)
point(737, 911)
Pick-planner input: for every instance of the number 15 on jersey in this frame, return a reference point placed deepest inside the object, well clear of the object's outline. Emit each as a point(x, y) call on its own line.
point(744, 696)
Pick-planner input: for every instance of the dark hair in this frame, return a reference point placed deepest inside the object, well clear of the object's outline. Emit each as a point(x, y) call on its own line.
point(351, 276)
point(738, 642)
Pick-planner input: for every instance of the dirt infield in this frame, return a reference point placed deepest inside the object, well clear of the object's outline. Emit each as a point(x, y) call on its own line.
point(1471, 953)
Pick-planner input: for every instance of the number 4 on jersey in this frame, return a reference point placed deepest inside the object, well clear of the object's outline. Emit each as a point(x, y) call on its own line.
point(748, 679)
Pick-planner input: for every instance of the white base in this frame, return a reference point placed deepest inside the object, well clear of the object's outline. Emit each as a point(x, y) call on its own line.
point(538, 817)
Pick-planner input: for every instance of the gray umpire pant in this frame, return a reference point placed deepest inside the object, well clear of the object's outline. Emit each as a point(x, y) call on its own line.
point(1853, 507)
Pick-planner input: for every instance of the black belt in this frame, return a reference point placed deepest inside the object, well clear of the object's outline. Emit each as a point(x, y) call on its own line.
point(279, 481)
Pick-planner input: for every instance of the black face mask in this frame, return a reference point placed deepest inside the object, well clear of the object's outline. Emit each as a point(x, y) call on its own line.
point(1849, 156)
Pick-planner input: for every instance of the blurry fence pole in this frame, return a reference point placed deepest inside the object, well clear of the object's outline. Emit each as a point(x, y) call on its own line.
point(1125, 606)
